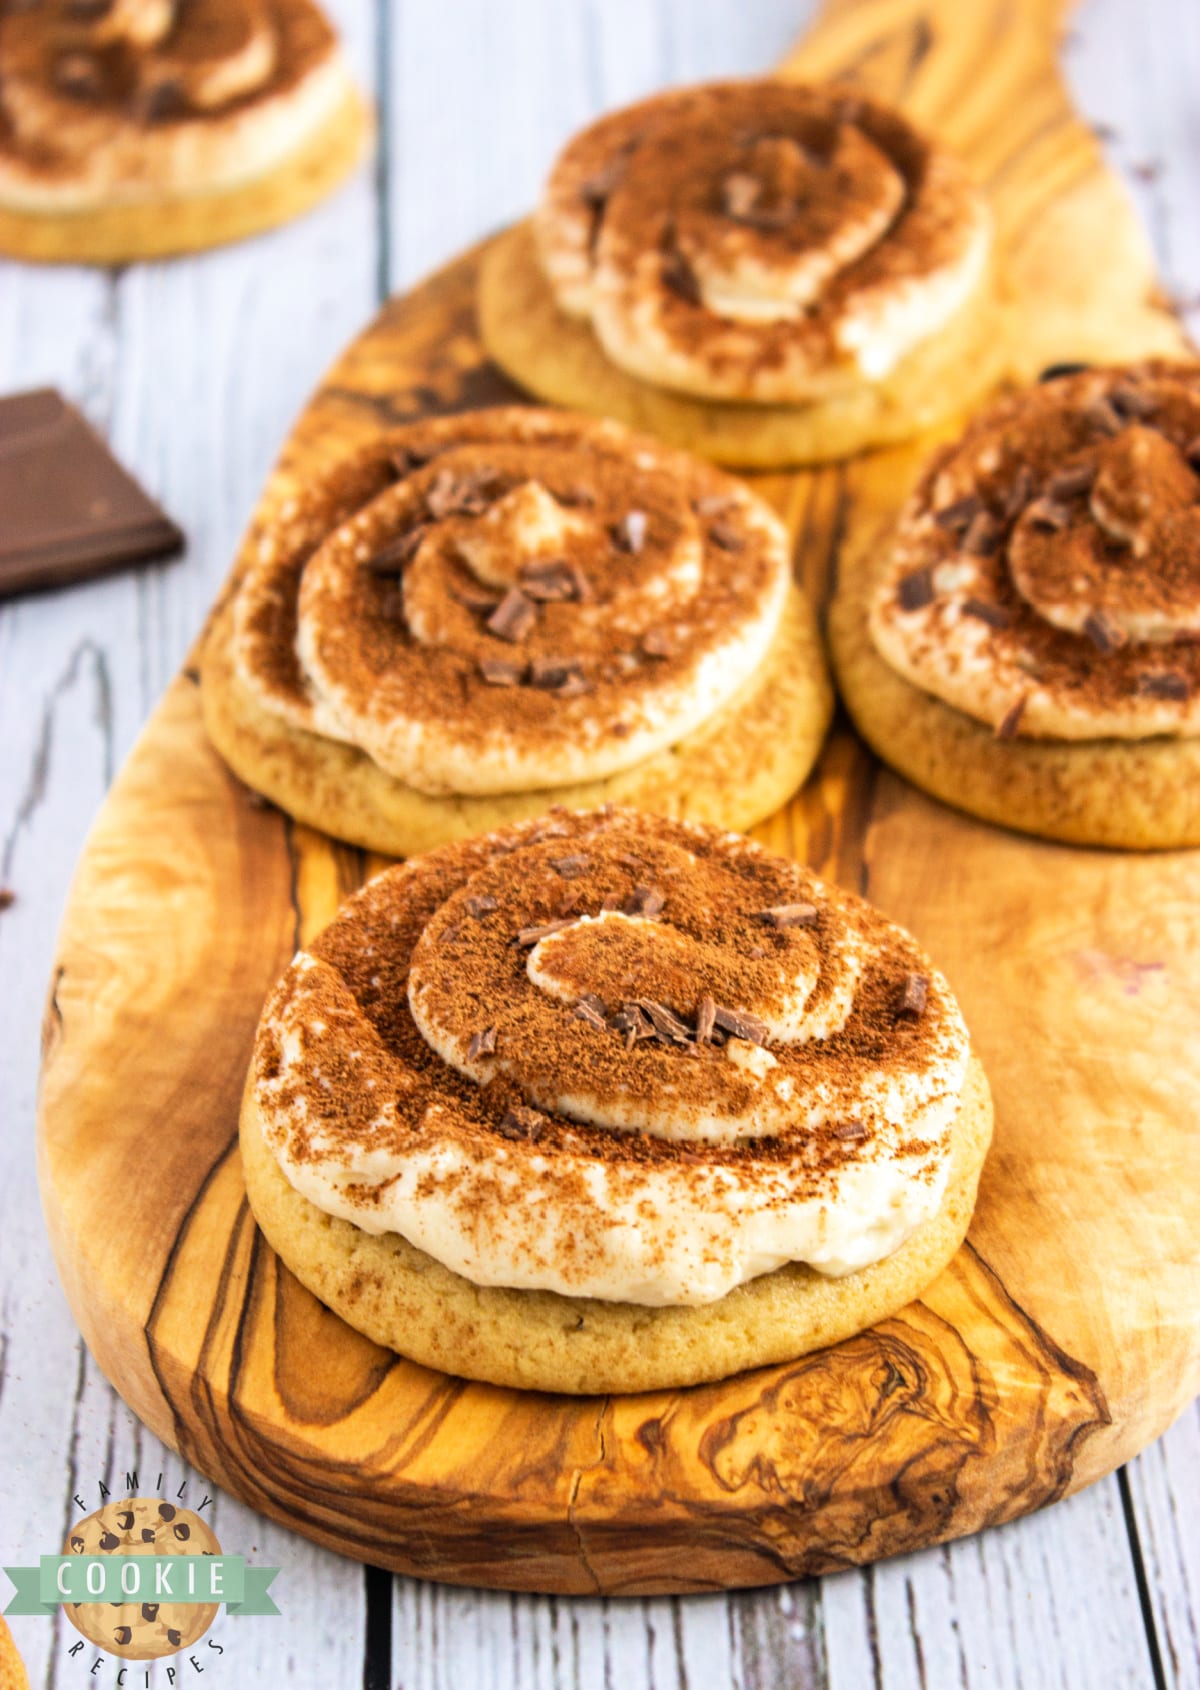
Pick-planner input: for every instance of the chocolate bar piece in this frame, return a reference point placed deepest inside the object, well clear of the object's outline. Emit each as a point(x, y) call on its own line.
point(67, 509)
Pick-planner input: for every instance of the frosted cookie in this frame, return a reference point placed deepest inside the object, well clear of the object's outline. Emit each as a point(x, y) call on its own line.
point(605, 1102)
point(136, 128)
point(480, 614)
point(1025, 643)
point(141, 1631)
point(764, 272)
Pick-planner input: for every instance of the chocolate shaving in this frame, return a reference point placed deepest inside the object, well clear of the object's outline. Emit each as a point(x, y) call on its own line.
point(1171, 685)
point(7, 897)
point(679, 278)
point(530, 935)
point(724, 535)
point(995, 615)
point(522, 1123)
point(1049, 514)
point(1019, 494)
point(479, 903)
point(393, 558)
point(646, 901)
point(915, 590)
point(657, 642)
point(983, 536)
point(570, 868)
point(789, 915)
point(666, 1024)
point(161, 100)
point(740, 193)
point(1104, 633)
point(611, 904)
point(705, 1021)
point(405, 460)
point(499, 673)
point(1008, 724)
point(557, 582)
point(558, 674)
point(739, 1025)
point(850, 1132)
point(1055, 372)
point(513, 617)
point(913, 996)
point(77, 75)
point(586, 1010)
point(450, 934)
point(1069, 483)
point(459, 495)
point(630, 1021)
point(630, 533)
point(1130, 401)
point(1101, 416)
point(713, 504)
point(958, 516)
point(482, 1043)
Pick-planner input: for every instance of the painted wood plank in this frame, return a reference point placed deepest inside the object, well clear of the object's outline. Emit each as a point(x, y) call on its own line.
point(194, 369)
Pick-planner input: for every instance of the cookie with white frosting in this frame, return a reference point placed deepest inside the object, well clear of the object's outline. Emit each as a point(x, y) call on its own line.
point(1025, 642)
point(135, 128)
point(608, 1102)
point(768, 272)
point(481, 614)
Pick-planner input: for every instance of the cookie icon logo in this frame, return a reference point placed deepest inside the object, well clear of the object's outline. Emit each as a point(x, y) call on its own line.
point(158, 1619)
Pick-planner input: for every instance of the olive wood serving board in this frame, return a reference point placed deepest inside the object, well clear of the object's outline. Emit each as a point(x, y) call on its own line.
point(1066, 1333)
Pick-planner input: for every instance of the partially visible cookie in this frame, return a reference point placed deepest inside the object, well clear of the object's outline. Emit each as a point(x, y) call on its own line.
point(141, 1631)
point(149, 127)
point(12, 1668)
point(1025, 642)
point(765, 272)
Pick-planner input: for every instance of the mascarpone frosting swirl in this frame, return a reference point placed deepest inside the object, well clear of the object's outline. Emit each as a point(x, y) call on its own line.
point(1044, 577)
point(613, 1056)
point(112, 101)
point(511, 600)
point(760, 241)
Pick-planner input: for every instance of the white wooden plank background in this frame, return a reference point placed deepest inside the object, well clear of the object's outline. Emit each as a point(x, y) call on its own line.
point(195, 370)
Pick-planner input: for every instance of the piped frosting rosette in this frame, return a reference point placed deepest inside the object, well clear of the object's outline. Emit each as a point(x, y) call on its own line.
point(111, 100)
point(510, 600)
point(760, 241)
point(615, 1057)
point(1044, 577)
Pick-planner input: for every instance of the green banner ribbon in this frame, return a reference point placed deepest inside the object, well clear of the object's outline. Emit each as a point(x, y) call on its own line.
point(182, 1580)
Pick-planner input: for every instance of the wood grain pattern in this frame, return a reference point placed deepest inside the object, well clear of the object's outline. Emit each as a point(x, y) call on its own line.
point(1022, 1374)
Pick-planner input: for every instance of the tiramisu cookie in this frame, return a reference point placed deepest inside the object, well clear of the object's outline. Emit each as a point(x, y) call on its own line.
point(481, 614)
point(135, 128)
point(606, 1102)
point(1026, 642)
point(761, 271)
point(138, 1525)
point(12, 1668)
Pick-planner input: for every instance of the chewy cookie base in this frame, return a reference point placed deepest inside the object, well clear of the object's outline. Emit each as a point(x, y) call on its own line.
point(560, 360)
point(742, 765)
point(1132, 794)
point(121, 234)
point(540, 1341)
